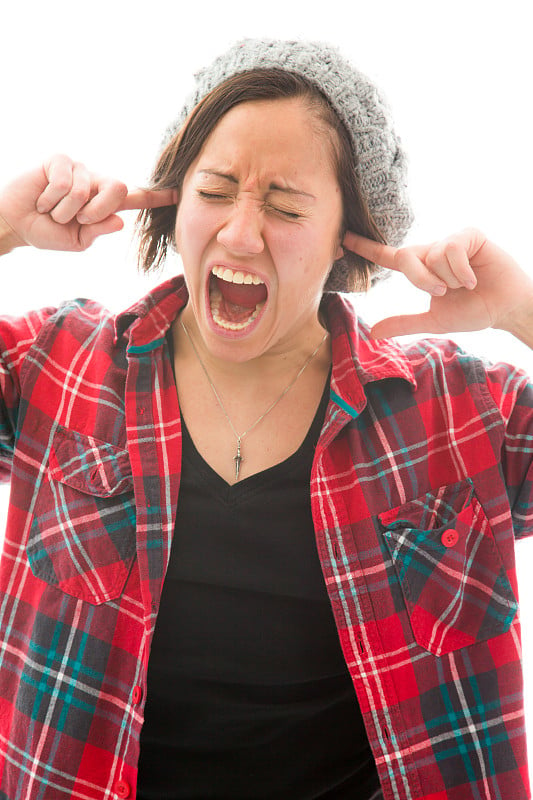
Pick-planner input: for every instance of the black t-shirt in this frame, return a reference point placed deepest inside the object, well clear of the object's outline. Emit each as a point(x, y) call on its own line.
point(248, 692)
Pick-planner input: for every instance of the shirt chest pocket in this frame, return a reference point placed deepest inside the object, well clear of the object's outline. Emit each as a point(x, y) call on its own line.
point(449, 569)
point(82, 538)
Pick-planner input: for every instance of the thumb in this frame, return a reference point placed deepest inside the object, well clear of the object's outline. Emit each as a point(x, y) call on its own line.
point(403, 325)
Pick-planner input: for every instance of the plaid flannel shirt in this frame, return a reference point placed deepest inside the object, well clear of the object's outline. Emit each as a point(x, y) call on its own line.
point(421, 480)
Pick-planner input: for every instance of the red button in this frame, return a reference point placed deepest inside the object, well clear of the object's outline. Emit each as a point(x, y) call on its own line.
point(449, 537)
point(122, 789)
point(137, 694)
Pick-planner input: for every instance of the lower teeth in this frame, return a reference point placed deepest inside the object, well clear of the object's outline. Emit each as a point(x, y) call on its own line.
point(233, 326)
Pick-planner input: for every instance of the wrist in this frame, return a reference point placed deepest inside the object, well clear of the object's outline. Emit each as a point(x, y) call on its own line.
point(520, 323)
point(8, 238)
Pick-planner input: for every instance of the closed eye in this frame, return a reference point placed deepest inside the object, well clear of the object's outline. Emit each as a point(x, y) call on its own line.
point(206, 195)
point(285, 213)
point(212, 195)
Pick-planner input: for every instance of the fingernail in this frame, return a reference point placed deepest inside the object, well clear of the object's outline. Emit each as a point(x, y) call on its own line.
point(470, 284)
point(439, 289)
point(83, 219)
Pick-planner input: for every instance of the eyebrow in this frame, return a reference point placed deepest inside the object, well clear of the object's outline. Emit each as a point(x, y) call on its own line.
point(274, 187)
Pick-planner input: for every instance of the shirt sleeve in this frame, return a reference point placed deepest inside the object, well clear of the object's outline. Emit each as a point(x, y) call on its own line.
point(17, 335)
point(512, 391)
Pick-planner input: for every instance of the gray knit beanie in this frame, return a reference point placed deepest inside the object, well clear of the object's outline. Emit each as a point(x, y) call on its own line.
point(358, 102)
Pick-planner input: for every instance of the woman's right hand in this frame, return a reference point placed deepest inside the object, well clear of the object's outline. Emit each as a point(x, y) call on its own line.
point(63, 206)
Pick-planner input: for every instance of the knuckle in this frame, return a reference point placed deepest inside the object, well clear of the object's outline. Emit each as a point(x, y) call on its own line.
point(117, 193)
point(403, 257)
point(435, 255)
point(79, 194)
point(454, 248)
point(433, 259)
point(61, 184)
point(408, 263)
point(60, 159)
point(111, 186)
point(471, 230)
point(79, 166)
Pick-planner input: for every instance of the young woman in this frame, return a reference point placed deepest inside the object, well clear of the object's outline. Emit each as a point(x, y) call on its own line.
point(254, 551)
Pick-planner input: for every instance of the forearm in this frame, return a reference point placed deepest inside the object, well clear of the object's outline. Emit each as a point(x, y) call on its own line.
point(8, 238)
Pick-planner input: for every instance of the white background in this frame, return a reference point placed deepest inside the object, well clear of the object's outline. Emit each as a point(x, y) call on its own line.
point(101, 80)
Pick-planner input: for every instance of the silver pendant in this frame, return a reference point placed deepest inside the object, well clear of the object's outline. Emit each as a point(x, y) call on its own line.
point(238, 459)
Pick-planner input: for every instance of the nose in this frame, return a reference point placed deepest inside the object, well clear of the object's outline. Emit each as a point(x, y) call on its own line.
point(242, 231)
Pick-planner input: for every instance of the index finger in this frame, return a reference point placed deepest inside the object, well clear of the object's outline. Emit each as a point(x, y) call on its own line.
point(382, 254)
point(149, 198)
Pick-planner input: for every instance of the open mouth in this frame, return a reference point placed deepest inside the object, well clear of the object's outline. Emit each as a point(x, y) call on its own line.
point(236, 297)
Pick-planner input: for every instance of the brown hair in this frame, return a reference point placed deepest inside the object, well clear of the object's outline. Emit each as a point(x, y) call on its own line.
point(156, 226)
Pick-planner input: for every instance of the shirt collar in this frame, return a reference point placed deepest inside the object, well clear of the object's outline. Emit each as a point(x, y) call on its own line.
point(354, 349)
point(147, 321)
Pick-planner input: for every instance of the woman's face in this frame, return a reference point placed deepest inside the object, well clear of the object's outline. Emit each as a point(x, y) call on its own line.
point(258, 229)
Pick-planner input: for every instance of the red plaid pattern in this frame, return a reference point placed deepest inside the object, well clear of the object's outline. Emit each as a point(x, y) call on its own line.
point(421, 481)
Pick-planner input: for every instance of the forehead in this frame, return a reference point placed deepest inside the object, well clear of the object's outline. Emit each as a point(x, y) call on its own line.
point(267, 135)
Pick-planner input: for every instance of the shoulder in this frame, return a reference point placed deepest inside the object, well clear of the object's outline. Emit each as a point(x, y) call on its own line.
point(432, 356)
point(39, 329)
point(75, 324)
point(81, 313)
point(445, 373)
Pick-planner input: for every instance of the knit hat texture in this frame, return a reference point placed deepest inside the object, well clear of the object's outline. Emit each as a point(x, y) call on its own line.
point(381, 160)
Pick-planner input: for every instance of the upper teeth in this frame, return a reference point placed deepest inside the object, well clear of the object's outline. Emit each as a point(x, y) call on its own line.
point(236, 276)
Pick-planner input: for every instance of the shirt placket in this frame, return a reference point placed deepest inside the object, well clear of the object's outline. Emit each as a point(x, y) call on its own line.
point(352, 608)
point(155, 453)
point(149, 409)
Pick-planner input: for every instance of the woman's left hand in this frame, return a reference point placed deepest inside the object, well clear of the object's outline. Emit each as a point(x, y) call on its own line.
point(473, 285)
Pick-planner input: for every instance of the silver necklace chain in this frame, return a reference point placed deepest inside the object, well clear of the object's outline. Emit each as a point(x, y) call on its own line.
point(238, 459)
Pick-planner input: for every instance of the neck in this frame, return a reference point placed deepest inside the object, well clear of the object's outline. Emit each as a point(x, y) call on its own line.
point(238, 408)
point(275, 366)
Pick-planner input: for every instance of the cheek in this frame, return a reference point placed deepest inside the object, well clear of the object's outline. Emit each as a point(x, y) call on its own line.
point(313, 252)
point(302, 261)
point(193, 227)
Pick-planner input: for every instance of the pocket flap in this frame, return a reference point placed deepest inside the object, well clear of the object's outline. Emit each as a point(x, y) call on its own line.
point(431, 510)
point(449, 569)
point(82, 536)
point(89, 465)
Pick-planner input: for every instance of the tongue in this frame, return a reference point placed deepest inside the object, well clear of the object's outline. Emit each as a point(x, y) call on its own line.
point(247, 295)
